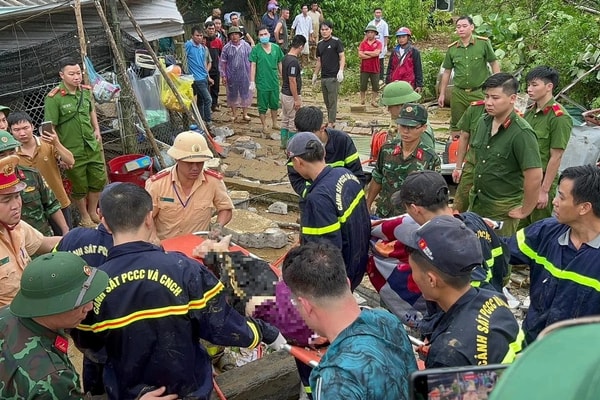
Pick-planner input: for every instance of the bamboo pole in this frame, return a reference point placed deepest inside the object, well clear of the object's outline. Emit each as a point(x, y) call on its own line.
point(81, 36)
point(127, 82)
point(168, 79)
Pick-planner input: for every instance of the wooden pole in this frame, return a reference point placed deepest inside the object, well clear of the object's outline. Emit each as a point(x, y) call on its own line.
point(213, 145)
point(82, 43)
point(127, 82)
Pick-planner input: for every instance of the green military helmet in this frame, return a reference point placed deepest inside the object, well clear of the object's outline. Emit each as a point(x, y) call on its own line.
point(55, 283)
point(398, 92)
point(7, 141)
point(234, 29)
point(5, 110)
point(371, 27)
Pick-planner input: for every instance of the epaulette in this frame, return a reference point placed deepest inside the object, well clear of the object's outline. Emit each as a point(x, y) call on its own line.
point(159, 175)
point(482, 38)
point(478, 102)
point(453, 44)
point(557, 110)
point(54, 91)
point(88, 87)
point(213, 173)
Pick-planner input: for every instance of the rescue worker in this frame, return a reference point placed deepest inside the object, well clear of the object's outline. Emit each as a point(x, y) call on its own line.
point(400, 156)
point(424, 194)
point(465, 156)
point(477, 327)
point(552, 125)
point(70, 107)
point(158, 305)
point(562, 253)
point(334, 205)
point(57, 291)
point(92, 245)
point(405, 62)
point(340, 150)
point(394, 95)
point(508, 174)
point(18, 240)
point(469, 58)
point(185, 194)
point(39, 202)
point(320, 292)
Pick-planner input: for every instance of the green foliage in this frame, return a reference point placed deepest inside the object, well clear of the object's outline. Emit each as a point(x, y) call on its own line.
point(432, 60)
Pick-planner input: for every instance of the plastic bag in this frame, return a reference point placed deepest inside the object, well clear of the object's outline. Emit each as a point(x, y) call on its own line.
point(102, 90)
point(183, 84)
point(147, 92)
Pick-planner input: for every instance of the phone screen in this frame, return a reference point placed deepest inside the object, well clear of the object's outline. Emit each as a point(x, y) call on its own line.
point(460, 383)
point(46, 127)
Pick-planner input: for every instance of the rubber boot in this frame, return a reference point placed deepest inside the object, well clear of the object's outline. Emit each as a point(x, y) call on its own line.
point(283, 133)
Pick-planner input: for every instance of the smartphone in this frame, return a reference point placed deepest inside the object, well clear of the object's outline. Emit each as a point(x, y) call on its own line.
point(469, 382)
point(46, 128)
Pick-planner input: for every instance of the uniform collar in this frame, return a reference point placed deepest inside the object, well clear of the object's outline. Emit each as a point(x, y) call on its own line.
point(175, 177)
point(564, 240)
point(40, 330)
point(507, 122)
point(137, 247)
point(471, 41)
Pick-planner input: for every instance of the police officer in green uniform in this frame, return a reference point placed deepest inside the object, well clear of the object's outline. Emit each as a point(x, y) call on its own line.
point(400, 156)
point(552, 125)
point(57, 291)
point(468, 57)
point(508, 173)
point(39, 202)
point(70, 108)
point(465, 158)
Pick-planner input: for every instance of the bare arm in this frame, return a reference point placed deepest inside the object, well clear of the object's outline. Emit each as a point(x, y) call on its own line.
point(65, 154)
point(294, 91)
point(277, 32)
point(317, 66)
point(59, 219)
point(249, 39)
point(48, 243)
point(224, 216)
point(531, 189)
point(549, 176)
point(443, 86)
point(495, 67)
point(372, 192)
point(463, 144)
point(252, 71)
point(342, 61)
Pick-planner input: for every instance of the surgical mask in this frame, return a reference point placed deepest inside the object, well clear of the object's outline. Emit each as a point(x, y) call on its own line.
point(264, 39)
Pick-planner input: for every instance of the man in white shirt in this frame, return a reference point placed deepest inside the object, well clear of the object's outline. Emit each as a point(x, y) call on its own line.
point(383, 35)
point(303, 25)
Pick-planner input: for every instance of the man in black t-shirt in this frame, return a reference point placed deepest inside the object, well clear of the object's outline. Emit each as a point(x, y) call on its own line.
point(291, 87)
point(331, 62)
point(477, 327)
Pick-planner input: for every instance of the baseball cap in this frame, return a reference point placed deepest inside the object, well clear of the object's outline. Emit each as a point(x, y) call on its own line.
point(298, 145)
point(272, 6)
point(55, 283)
point(412, 114)
point(423, 188)
point(445, 242)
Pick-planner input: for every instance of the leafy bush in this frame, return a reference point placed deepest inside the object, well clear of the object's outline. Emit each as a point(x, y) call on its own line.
point(432, 60)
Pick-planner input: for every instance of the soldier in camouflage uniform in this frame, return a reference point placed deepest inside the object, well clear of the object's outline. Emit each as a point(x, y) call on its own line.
point(399, 157)
point(57, 290)
point(39, 202)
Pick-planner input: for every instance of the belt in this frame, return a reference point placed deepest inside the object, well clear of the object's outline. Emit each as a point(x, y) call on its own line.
point(468, 90)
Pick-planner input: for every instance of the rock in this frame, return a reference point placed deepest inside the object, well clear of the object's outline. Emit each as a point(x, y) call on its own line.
point(240, 199)
point(248, 154)
point(223, 131)
point(278, 208)
point(251, 230)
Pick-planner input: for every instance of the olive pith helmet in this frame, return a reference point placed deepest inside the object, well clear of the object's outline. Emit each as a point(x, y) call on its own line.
point(398, 92)
point(55, 283)
point(372, 28)
point(190, 146)
point(7, 141)
point(234, 29)
point(5, 110)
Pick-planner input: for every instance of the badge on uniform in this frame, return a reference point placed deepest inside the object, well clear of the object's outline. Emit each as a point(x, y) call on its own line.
point(5, 260)
point(61, 344)
point(167, 199)
point(29, 189)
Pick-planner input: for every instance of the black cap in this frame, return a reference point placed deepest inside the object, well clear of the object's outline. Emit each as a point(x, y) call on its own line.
point(445, 242)
point(423, 188)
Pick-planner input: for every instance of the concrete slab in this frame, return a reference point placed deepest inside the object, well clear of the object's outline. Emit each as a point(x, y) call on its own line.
point(252, 230)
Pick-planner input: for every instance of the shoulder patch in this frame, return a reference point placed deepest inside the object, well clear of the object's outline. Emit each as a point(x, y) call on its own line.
point(557, 110)
point(213, 173)
point(482, 38)
point(159, 175)
point(453, 44)
point(478, 103)
point(54, 91)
